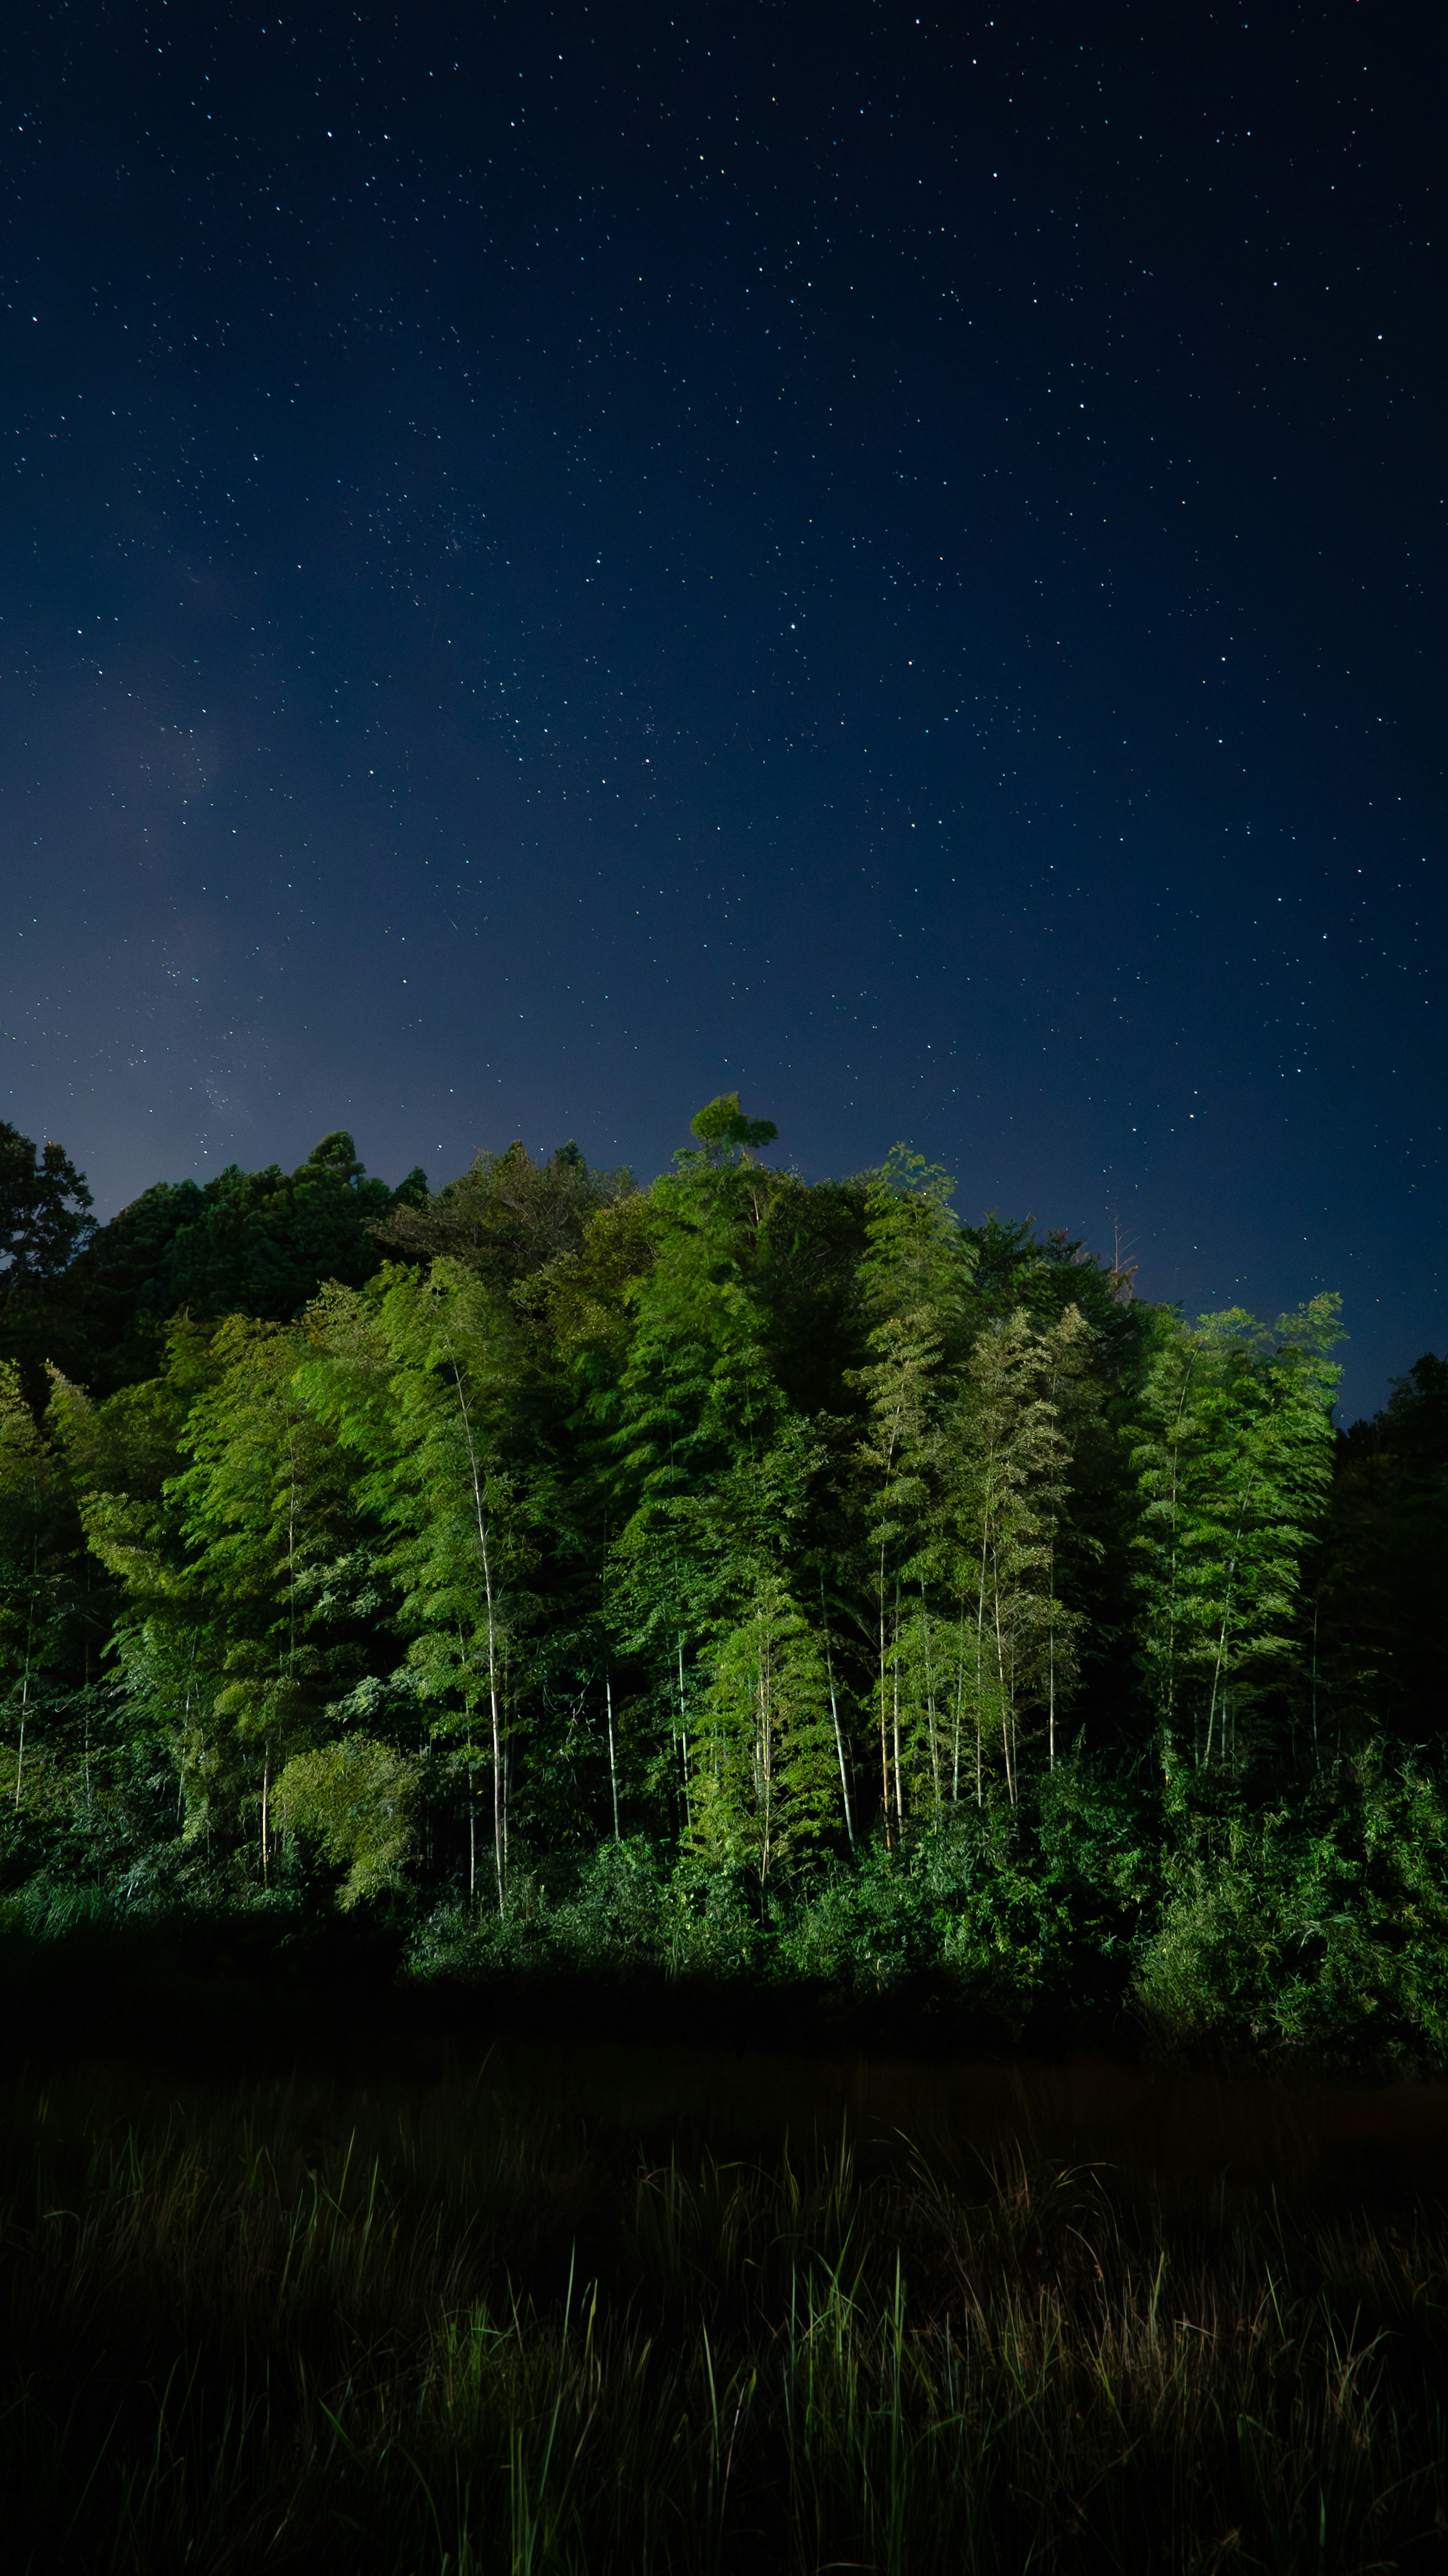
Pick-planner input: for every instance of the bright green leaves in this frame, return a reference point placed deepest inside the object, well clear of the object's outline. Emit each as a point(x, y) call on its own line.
point(1026, 1394)
point(705, 1461)
point(262, 1507)
point(764, 1786)
point(912, 1280)
point(963, 1487)
point(760, 1516)
point(725, 1134)
point(917, 1262)
point(436, 1397)
point(37, 1537)
point(1234, 1458)
point(355, 1801)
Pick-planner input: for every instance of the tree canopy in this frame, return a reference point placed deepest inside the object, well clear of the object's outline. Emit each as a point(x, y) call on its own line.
point(815, 1559)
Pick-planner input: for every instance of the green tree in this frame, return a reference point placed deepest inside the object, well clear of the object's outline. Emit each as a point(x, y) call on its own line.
point(762, 1759)
point(1234, 1460)
point(254, 1243)
point(32, 1540)
point(1015, 1430)
point(356, 1799)
point(220, 1503)
point(1373, 1659)
point(261, 1507)
point(45, 1226)
point(45, 1217)
point(121, 1458)
point(913, 1281)
point(726, 1136)
point(507, 1217)
point(696, 1430)
point(433, 1391)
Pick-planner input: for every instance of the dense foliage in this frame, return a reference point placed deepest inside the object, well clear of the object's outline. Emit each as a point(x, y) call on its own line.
point(766, 1579)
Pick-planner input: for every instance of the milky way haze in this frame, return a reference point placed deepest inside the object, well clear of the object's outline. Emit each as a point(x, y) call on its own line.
point(558, 562)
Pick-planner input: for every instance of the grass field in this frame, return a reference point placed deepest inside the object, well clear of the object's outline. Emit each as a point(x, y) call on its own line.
point(596, 2309)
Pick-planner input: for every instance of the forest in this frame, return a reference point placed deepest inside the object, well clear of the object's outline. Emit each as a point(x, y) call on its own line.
point(755, 1585)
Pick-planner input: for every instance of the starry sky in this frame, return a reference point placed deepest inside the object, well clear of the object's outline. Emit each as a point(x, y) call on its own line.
point(560, 561)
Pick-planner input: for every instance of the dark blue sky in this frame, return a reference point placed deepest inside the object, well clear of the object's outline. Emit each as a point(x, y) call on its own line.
point(560, 561)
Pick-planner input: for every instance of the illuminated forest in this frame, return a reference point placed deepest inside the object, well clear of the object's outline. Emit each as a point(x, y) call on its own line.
point(769, 1586)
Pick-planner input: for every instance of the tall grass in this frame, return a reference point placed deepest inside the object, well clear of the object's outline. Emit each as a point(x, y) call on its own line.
point(465, 2329)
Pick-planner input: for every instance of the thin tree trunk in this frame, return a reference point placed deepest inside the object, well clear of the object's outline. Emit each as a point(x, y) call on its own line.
point(980, 1670)
point(495, 1716)
point(1172, 1579)
point(884, 1747)
point(1219, 1667)
point(494, 1711)
point(292, 1544)
point(683, 1739)
point(959, 1701)
point(505, 1767)
point(612, 1764)
point(1051, 1711)
point(87, 1687)
point(265, 1794)
point(29, 1635)
point(766, 1772)
point(1051, 1657)
point(1316, 1756)
point(899, 1783)
point(835, 1714)
point(930, 1703)
point(185, 1741)
point(1007, 1714)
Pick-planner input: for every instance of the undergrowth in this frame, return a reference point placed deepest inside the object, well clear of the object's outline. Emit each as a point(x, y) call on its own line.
point(465, 2327)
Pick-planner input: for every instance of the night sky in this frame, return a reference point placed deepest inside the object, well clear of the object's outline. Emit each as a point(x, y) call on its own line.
point(557, 562)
